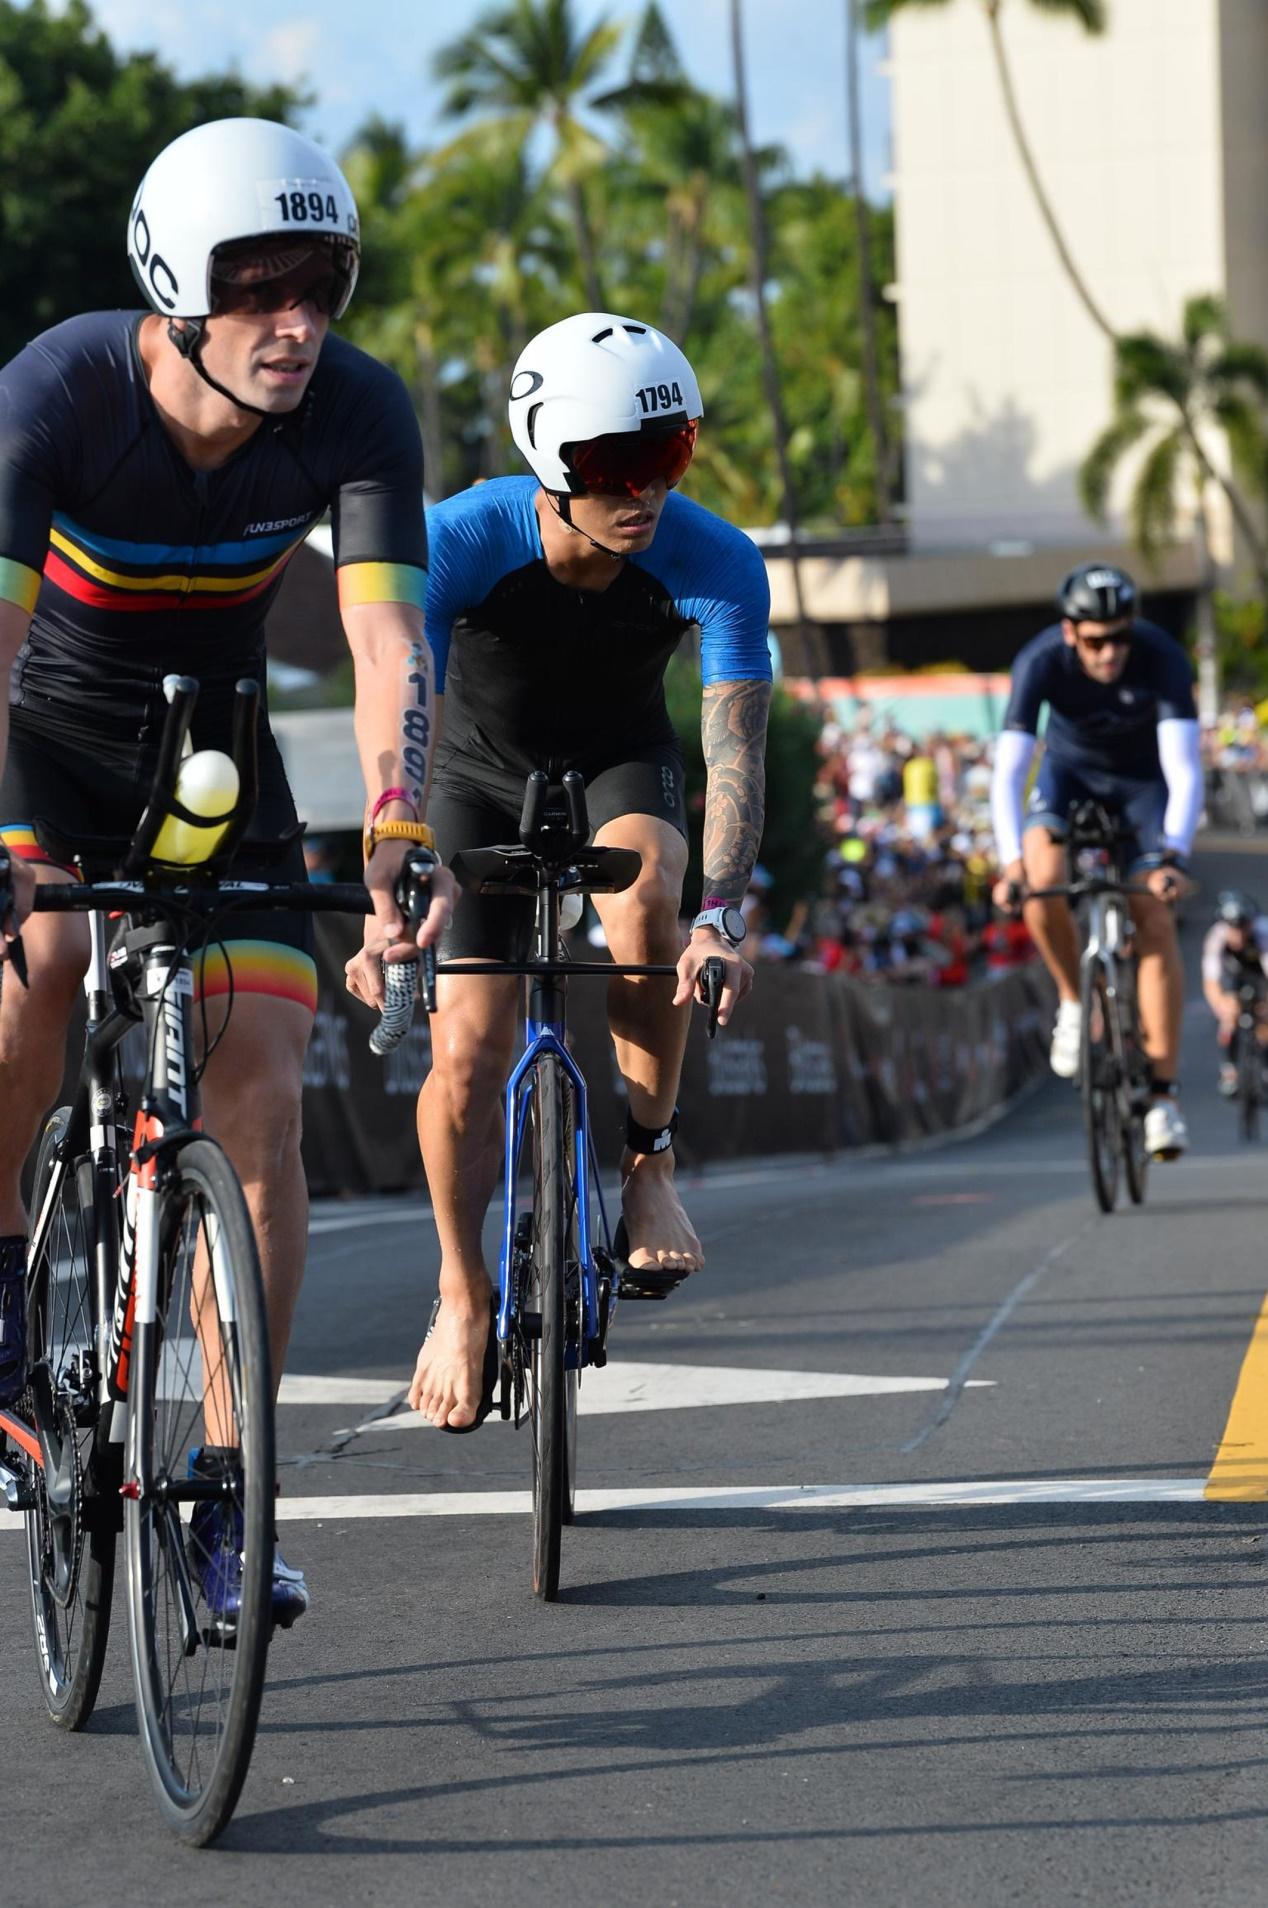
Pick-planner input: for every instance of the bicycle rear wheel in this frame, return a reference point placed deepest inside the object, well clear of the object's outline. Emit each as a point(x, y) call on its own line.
point(72, 1527)
point(199, 1591)
point(1099, 1084)
point(552, 1382)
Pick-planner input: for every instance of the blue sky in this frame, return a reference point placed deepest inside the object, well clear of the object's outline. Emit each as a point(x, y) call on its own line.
point(375, 58)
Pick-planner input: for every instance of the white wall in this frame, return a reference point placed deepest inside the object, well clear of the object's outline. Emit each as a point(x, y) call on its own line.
point(1006, 378)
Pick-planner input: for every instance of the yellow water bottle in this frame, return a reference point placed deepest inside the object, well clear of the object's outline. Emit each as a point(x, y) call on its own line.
point(206, 784)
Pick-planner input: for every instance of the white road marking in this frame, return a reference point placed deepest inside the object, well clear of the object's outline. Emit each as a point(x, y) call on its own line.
point(298, 1390)
point(623, 1386)
point(958, 1495)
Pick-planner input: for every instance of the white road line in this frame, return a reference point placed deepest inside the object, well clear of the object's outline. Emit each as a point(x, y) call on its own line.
point(299, 1390)
point(983, 1494)
point(626, 1386)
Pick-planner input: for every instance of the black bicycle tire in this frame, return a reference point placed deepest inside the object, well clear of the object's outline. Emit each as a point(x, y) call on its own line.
point(70, 1700)
point(1099, 1109)
point(547, 1365)
point(1249, 1064)
point(198, 1817)
point(1132, 1117)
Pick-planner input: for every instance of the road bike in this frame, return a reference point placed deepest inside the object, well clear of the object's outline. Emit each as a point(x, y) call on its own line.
point(148, 1411)
point(1114, 1077)
point(1250, 1055)
point(560, 1278)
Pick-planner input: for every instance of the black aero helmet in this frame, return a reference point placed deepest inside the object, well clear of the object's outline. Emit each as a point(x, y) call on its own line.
point(1097, 593)
point(1236, 908)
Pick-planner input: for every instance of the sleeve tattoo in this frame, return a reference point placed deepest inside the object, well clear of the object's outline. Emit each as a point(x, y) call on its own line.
point(733, 729)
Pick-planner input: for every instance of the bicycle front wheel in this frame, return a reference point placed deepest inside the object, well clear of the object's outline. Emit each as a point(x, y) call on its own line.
point(72, 1526)
point(1099, 1085)
point(200, 1438)
point(552, 1376)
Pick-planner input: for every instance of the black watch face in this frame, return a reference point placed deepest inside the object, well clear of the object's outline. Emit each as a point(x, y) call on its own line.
point(733, 925)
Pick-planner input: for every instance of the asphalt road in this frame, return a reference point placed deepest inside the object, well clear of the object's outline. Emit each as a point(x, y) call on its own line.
point(900, 1588)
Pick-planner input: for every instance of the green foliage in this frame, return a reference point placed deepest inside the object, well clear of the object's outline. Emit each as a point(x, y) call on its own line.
point(79, 124)
point(793, 843)
point(1241, 633)
point(1092, 15)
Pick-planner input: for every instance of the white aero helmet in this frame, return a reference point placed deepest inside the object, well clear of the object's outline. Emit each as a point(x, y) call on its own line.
point(598, 376)
point(235, 179)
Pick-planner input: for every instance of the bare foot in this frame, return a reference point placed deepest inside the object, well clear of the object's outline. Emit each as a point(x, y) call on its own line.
point(660, 1233)
point(450, 1368)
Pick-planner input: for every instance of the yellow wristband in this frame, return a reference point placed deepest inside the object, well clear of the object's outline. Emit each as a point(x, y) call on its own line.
point(417, 832)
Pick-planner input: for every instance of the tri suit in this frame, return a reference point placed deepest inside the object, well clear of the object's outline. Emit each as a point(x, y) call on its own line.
point(536, 674)
point(136, 565)
point(1102, 741)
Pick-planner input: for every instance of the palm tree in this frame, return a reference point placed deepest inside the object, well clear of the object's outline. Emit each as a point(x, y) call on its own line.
point(528, 63)
point(1092, 16)
point(867, 283)
point(757, 284)
point(1170, 401)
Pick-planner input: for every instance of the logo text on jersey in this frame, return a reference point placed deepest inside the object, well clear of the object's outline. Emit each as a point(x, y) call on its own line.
point(273, 524)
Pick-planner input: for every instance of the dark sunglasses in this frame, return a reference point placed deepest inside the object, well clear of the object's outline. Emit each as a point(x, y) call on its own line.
point(268, 280)
point(625, 463)
point(1118, 639)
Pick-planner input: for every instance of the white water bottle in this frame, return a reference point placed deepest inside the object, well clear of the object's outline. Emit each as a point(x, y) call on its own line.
point(206, 784)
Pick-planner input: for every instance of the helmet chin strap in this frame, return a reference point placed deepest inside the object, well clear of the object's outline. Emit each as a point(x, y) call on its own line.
point(563, 510)
point(189, 343)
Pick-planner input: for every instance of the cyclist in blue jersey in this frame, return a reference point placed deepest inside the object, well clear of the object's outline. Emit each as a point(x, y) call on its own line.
point(554, 605)
point(1122, 731)
point(157, 471)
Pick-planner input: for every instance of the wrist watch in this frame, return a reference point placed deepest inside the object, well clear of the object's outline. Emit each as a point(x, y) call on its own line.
point(728, 920)
point(378, 831)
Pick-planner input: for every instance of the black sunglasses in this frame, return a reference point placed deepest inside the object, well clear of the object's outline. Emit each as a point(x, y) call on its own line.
point(1118, 640)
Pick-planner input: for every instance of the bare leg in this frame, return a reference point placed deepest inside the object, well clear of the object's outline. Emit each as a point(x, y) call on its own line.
point(252, 1095)
point(1050, 922)
point(1160, 983)
point(33, 1025)
point(460, 1133)
point(649, 1034)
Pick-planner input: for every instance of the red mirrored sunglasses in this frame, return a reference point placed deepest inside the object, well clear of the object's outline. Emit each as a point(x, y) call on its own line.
point(260, 279)
point(624, 464)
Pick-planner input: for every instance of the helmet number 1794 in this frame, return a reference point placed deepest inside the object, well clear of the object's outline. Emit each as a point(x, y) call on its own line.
point(659, 397)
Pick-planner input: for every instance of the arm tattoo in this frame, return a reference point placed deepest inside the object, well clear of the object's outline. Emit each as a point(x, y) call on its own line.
point(733, 729)
point(416, 723)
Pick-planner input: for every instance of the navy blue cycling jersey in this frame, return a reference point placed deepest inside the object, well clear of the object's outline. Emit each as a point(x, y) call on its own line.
point(135, 564)
point(536, 672)
point(1109, 728)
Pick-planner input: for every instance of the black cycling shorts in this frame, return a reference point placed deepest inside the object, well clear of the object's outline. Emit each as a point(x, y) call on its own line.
point(475, 806)
point(69, 780)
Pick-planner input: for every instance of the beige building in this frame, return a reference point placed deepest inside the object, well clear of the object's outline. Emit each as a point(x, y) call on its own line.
point(1152, 141)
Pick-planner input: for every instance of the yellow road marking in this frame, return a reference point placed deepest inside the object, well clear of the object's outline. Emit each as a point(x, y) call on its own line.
point(1240, 1470)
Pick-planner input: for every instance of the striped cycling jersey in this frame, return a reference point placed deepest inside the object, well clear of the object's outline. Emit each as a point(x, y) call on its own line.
point(134, 564)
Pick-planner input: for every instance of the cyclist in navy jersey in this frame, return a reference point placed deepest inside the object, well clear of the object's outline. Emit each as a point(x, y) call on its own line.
point(157, 471)
point(554, 605)
point(1122, 731)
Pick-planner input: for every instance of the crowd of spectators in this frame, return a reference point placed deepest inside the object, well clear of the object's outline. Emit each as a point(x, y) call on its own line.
point(1235, 757)
point(905, 894)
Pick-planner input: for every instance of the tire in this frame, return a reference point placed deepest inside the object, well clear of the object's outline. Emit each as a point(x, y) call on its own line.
point(552, 1404)
point(71, 1556)
point(1249, 1066)
point(199, 1678)
point(1099, 1086)
point(1133, 1095)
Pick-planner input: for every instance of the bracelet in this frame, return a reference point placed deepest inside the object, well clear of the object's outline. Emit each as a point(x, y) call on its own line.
point(391, 795)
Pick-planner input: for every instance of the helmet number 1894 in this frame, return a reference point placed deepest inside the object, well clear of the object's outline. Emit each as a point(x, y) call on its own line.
point(305, 208)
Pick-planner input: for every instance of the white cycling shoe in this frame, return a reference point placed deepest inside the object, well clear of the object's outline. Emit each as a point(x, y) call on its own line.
point(1067, 1036)
point(1166, 1135)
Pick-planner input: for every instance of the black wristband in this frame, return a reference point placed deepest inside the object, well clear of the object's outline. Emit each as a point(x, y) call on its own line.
point(650, 1139)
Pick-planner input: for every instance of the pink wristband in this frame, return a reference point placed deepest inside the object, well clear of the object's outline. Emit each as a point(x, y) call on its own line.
point(392, 795)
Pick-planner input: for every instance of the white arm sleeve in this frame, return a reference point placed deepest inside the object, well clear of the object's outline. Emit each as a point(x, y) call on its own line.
point(1180, 754)
point(1014, 752)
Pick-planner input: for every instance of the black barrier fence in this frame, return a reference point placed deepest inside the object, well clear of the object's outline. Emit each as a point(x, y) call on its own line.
point(812, 1063)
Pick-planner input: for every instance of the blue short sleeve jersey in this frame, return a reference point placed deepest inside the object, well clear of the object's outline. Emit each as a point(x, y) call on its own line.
point(1106, 728)
point(535, 671)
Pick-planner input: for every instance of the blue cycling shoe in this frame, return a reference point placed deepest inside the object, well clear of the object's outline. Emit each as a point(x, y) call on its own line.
point(12, 1320)
point(214, 1548)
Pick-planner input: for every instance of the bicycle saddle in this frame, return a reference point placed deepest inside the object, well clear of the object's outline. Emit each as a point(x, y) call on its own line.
point(516, 870)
